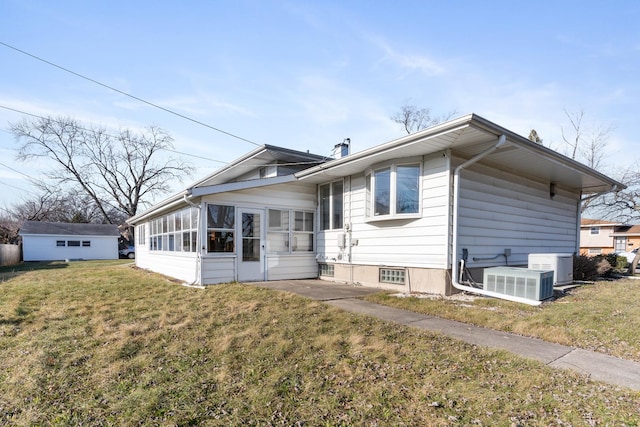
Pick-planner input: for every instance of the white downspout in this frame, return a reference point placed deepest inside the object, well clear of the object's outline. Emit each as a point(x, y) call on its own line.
point(456, 269)
point(198, 279)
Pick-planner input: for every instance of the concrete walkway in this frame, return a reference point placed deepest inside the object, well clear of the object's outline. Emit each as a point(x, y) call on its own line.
point(597, 366)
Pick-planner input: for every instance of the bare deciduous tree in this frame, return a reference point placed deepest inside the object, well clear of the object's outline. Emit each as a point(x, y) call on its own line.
point(415, 119)
point(9, 230)
point(585, 144)
point(116, 173)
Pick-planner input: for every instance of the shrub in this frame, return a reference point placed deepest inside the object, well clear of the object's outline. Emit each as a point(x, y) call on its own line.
point(590, 268)
point(617, 262)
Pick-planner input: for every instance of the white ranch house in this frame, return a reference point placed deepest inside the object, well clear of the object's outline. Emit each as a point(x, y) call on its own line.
point(55, 241)
point(403, 215)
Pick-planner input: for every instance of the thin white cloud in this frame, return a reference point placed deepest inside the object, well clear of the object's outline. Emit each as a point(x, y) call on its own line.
point(410, 62)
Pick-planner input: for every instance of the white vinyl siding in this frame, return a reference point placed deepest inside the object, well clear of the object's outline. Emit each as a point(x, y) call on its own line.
point(59, 247)
point(416, 242)
point(181, 265)
point(296, 266)
point(218, 270)
point(501, 211)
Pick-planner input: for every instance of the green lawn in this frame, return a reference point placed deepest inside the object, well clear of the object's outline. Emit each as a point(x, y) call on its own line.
point(101, 343)
point(603, 317)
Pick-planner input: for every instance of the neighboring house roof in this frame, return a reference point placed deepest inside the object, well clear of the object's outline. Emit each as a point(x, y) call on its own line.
point(629, 230)
point(588, 222)
point(68, 229)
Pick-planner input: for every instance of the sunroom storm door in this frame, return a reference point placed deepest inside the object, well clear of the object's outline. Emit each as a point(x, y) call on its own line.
point(251, 257)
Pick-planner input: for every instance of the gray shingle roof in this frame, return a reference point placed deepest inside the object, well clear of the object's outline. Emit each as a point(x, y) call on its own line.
point(72, 229)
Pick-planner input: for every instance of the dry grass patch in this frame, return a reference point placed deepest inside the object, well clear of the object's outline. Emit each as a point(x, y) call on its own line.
point(603, 317)
point(103, 344)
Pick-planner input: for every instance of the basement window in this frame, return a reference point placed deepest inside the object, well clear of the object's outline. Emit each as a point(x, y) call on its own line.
point(326, 270)
point(392, 275)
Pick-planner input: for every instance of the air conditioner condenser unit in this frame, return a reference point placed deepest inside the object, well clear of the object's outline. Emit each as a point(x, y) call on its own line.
point(525, 283)
point(561, 264)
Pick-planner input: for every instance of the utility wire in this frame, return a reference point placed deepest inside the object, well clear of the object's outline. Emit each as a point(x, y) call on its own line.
point(166, 149)
point(92, 130)
point(13, 186)
point(129, 95)
point(17, 171)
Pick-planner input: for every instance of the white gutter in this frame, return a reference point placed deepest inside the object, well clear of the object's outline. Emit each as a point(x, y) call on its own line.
point(456, 271)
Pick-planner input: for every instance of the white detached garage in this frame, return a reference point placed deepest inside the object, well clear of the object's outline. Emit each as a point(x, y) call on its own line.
point(53, 241)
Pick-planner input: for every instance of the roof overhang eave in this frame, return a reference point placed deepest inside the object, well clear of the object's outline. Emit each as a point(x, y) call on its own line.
point(163, 206)
point(372, 154)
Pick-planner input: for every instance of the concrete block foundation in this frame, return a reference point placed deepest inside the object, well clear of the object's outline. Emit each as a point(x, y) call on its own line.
point(420, 280)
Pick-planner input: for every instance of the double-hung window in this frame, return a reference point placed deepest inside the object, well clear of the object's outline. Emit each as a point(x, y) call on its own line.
point(278, 231)
point(331, 209)
point(289, 231)
point(394, 191)
point(302, 232)
point(220, 228)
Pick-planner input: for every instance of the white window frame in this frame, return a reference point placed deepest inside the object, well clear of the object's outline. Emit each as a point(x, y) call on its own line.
point(303, 225)
point(229, 229)
point(166, 235)
point(594, 230)
point(299, 223)
point(332, 207)
point(393, 192)
point(278, 230)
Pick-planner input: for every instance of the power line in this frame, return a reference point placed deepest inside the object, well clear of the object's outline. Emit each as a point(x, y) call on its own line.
point(92, 130)
point(129, 95)
point(17, 171)
point(165, 149)
point(14, 187)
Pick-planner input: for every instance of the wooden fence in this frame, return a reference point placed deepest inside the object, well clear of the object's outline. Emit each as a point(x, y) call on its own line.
point(9, 254)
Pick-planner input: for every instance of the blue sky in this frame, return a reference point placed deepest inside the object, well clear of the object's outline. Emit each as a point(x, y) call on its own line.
point(306, 75)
